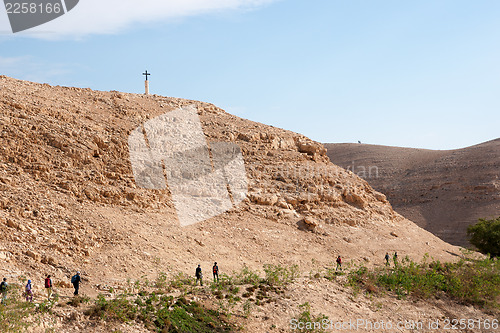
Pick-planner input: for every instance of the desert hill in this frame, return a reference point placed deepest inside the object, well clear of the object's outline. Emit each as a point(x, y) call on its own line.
point(69, 200)
point(441, 191)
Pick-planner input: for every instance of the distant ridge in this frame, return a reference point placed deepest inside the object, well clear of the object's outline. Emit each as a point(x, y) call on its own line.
point(442, 191)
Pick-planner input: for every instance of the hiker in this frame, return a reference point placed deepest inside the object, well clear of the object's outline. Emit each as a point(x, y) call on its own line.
point(3, 289)
point(75, 280)
point(216, 272)
point(387, 258)
point(199, 275)
point(48, 286)
point(29, 292)
point(339, 263)
point(395, 259)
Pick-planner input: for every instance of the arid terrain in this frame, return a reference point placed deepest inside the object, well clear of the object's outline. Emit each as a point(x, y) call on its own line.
point(69, 202)
point(441, 191)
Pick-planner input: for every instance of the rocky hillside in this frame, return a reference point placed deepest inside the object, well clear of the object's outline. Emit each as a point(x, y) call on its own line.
point(69, 200)
point(441, 191)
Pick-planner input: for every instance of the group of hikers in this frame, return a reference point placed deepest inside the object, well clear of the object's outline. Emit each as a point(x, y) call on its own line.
point(387, 258)
point(199, 274)
point(215, 268)
point(394, 258)
point(76, 279)
point(28, 289)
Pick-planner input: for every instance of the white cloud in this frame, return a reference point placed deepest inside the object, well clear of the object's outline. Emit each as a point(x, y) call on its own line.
point(31, 69)
point(8, 63)
point(112, 16)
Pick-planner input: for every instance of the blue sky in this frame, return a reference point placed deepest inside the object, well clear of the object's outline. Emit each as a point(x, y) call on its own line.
point(420, 74)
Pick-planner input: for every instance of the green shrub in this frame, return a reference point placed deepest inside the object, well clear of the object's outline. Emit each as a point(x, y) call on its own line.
point(247, 308)
point(331, 274)
point(485, 235)
point(181, 279)
point(46, 306)
point(15, 311)
point(161, 281)
point(246, 276)
point(473, 282)
point(191, 317)
point(278, 275)
point(306, 322)
point(119, 309)
point(76, 301)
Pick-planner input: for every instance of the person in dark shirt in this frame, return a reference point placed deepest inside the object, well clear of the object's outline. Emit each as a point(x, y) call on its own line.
point(199, 275)
point(216, 272)
point(3, 289)
point(75, 280)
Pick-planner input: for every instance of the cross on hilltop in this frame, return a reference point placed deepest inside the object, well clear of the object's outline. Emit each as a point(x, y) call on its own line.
point(146, 83)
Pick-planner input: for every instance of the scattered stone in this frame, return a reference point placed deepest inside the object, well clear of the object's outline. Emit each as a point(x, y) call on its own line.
point(308, 224)
point(200, 243)
point(33, 255)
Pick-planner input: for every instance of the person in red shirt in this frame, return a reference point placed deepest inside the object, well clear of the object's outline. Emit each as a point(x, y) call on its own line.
point(339, 263)
point(48, 286)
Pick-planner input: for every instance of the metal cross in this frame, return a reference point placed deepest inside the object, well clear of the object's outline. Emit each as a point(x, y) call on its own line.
point(146, 74)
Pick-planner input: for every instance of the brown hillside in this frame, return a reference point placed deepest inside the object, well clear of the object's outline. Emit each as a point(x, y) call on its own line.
point(441, 191)
point(69, 201)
